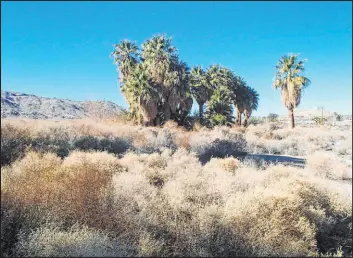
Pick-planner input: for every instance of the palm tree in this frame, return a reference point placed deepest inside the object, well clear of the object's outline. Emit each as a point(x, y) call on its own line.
point(125, 57)
point(166, 71)
point(217, 76)
point(141, 95)
point(241, 97)
point(198, 87)
point(183, 110)
point(158, 53)
point(219, 108)
point(251, 104)
point(220, 83)
point(290, 79)
point(180, 87)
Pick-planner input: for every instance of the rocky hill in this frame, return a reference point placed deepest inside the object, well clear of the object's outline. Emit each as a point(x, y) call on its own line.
point(15, 104)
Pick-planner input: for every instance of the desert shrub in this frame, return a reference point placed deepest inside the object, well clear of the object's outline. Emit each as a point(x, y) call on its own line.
point(257, 131)
point(276, 147)
point(64, 187)
point(344, 146)
point(220, 149)
point(267, 212)
point(270, 217)
point(325, 165)
point(219, 143)
point(49, 241)
point(58, 139)
point(335, 233)
point(14, 142)
point(197, 126)
point(272, 117)
point(157, 142)
point(183, 140)
point(254, 163)
point(255, 121)
point(319, 120)
point(110, 144)
point(170, 124)
point(17, 219)
point(55, 139)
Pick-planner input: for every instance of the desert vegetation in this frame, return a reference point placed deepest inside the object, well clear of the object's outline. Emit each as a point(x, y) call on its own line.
point(110, 188)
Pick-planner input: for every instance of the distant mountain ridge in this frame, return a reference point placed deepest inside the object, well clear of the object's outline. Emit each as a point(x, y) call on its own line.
point(15, 104)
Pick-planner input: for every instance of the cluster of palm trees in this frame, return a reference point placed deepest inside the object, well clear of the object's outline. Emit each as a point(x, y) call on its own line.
point(220, 89)
point(158, 86)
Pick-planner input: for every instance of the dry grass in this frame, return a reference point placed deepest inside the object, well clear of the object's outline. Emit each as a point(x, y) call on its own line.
point(172, 193)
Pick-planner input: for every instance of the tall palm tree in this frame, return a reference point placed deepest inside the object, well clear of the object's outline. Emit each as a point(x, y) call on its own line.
point(165, 70)
point(251, 104)
point(241, 98)
point(180, 87)
point(125, 57)
point(290, 79)
point(198, 87)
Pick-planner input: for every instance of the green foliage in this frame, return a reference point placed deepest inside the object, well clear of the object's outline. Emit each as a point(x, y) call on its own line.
point(256, 121)
point(219, 108)
point(319, 120)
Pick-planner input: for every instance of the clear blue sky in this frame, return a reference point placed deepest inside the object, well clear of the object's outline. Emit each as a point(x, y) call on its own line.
point(61, 49)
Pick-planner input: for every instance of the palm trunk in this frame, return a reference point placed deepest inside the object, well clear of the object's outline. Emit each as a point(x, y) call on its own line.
point(201, 110)
point(245, 121)
point(167, 112)
point(291, 117)
point(239, 119)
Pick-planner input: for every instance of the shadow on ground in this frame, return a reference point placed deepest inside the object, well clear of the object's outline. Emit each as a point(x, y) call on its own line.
point(258, 158)
point(277, 159)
